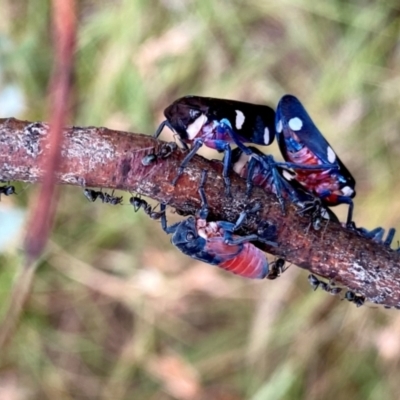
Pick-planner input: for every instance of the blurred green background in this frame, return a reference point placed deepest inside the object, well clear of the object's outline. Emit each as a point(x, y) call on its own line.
point(116, 312)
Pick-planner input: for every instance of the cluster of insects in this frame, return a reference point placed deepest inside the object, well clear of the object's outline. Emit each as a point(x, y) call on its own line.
point(311, 176)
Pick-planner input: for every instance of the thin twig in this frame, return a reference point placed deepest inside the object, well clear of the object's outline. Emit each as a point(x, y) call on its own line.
point(43, 209)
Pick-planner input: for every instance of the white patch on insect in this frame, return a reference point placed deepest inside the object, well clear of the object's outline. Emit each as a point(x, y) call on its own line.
point(324, 214)
point(266, 135)
point(279, 126)
point(287, 175)
point(295, 124)
point(239, 164)
point(194, 128)
point(331, 155)
point(212, 229)
point(239, 119)
point(347, 191)
point(202, 233)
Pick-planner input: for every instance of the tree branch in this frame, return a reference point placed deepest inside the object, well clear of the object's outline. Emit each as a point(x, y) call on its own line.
point(100, 157)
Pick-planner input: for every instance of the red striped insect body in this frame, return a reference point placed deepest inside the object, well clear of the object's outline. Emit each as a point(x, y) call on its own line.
point(215, 242)
point(218, 123)
point(301, 142)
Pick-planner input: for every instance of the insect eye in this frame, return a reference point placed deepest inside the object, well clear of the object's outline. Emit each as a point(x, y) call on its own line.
point(189, 236)
point(193, 114)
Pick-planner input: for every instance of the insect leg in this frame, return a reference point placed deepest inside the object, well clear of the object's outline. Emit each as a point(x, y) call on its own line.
point(280, 186)
point(345, 200)
point(350, 212)
point(277, 183)
point(249, 238)
point(225, 126)
point(376, 235)
point(250, 173)
point(197, 144)
point(167, 229)
point(203, 212)
point(163, 124)
point(389, 239)
point(227, 165)
point(102, 196)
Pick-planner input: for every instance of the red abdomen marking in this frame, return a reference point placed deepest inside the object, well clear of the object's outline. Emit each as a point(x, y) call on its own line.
point(316, 181)
point(303, 156)
point(249, 263)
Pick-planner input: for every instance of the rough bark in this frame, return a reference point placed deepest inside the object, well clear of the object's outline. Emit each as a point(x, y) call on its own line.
point(100, 157)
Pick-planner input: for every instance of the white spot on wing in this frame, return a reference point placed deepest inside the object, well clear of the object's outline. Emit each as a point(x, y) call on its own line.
point(331, 155)
point(240, 164)
point(239, 119)
point(279, 126)
point(295, 124)
point(194, 128)
point(266, 135)
point(347, 191)
point(287, 175)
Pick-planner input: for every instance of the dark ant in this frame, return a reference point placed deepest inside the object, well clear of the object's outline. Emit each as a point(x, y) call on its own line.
point(316, 283)
point(277, 268)
point(149, 159)
point(93, 195)
point(7, 190)
point(111, 199)
point(139, 203)
point(357, 299)
point(165, 151)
